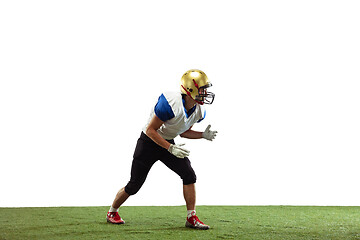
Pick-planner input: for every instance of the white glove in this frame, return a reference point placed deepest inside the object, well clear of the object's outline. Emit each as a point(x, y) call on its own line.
point(178, 151)
point(208, 134)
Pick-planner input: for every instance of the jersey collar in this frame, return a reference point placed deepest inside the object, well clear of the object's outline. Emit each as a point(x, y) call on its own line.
point(188, 113)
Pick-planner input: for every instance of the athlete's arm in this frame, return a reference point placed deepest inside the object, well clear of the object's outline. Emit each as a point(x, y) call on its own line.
point(177, 150)
point(151, 132)
point(207, 134)
point(191, 134)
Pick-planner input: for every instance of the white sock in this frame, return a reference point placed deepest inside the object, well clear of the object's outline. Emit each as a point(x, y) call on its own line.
point(113, 209)
point(191, 213)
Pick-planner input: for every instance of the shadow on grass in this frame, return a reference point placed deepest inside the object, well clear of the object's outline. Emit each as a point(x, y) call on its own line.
point(147, 228)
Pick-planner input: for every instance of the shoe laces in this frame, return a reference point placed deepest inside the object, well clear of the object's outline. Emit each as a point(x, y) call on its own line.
point(196, 219)
point(115, 215)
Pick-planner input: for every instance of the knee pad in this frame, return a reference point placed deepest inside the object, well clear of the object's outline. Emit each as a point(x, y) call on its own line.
point(132, 188)
point(189, 178)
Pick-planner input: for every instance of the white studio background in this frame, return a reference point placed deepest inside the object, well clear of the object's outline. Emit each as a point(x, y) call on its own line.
point(78, 79)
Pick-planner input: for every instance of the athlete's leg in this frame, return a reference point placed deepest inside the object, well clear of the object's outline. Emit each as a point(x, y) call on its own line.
point(113, 215)
point(145, 156)
point(120, 198)
point(182, 167)
point(138, 175)
point(190, 196)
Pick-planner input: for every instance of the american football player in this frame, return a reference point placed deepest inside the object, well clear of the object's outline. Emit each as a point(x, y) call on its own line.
point(174, 114)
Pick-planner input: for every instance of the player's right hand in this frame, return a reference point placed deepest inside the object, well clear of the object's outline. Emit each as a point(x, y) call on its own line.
point(178, 151)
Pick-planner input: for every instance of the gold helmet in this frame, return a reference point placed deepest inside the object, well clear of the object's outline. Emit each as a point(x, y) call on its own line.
point(194, 83)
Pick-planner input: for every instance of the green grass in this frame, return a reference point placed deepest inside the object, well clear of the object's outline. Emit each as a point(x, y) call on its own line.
point(227, 222)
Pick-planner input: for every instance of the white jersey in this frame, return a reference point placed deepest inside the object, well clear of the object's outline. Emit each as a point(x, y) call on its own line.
point(170, 109)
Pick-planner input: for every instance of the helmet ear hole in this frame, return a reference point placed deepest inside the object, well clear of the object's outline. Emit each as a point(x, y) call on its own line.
point(190, 89)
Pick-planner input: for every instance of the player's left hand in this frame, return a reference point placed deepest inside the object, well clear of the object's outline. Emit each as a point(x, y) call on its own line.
point(208, 134)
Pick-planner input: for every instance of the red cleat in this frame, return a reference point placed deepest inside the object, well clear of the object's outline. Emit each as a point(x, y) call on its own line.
point(194, 222)
point(114, 217)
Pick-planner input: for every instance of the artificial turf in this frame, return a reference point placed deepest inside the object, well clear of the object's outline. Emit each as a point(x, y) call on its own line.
point(227, 222)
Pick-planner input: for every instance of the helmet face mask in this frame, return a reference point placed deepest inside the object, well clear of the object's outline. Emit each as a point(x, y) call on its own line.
point(194, 83)
point(204, 96)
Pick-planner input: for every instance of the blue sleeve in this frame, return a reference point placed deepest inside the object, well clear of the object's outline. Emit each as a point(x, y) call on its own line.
point(203, 117)
point(163, 109)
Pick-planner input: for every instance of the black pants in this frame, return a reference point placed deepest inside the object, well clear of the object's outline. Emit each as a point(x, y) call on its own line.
point(147, 152)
